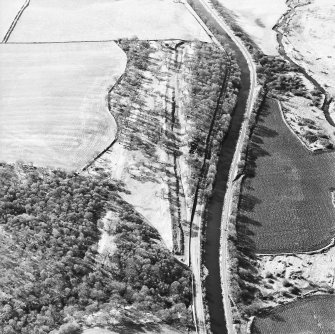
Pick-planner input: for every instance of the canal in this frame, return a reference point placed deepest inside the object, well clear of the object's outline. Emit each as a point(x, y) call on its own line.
point(215, 205)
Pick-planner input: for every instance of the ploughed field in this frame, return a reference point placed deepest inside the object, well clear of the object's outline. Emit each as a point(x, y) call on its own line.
point(287, 205)
point(98, 20)
point(314, 315)
point(53, 102)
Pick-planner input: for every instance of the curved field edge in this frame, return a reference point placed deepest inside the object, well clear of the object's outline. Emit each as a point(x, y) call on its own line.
point(53, 102)
point(314, 314)
point(285, 194)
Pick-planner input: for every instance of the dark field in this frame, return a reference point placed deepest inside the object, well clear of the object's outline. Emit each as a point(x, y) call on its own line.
point(312, 315)
point(286, 200)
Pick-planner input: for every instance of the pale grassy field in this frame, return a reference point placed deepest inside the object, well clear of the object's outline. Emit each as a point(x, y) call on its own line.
point(257, 18)
point(309, 41)
point(96, 20)
point(53, 107)
point(8, 11)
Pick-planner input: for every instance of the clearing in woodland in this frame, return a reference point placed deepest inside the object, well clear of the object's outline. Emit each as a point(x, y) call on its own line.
point(286, 203)
point(92, 20)
point(53, 102)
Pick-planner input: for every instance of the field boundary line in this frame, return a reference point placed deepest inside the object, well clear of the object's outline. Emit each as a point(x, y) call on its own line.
point(288, 125)
point(16, 19)
point(317, 251)
point(116, 123)
point(116, 41)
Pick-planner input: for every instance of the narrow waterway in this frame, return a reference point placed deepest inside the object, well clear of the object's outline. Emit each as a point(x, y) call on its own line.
point(212, 246)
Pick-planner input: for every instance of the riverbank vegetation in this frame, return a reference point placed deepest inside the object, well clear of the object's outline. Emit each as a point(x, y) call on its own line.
point(50, 269)
point(213, 86)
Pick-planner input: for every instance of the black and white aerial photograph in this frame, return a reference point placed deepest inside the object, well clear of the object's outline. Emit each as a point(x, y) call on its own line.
point(167, 167)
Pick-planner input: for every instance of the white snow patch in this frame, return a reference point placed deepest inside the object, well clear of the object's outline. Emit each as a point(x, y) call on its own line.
point(303, 269)
point(300, 111)
point(257, 18)
point(309, 41)
point(106, 243)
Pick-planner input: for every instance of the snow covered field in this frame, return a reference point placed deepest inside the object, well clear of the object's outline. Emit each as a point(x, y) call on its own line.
point(309, 41)
point(53, 106)
point(8, 11)
point(257, 18)
point(98, 20)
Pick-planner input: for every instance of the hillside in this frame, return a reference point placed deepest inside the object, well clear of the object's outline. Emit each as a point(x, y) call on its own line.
point(51, 272)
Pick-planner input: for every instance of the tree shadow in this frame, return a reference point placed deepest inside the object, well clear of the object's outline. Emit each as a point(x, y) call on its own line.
point(148, 124)
point(246, 223)
point(256, 148)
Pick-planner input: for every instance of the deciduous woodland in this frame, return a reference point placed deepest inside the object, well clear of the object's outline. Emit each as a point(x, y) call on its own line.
point(50, 221)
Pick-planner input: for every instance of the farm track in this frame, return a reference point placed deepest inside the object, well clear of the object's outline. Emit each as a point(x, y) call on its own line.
point(176, 189)
point(16, 19)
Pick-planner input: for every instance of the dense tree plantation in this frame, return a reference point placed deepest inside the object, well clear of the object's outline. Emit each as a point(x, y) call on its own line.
point(50, 270)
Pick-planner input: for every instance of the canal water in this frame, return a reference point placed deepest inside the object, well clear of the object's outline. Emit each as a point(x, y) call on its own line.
point(212, 245)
